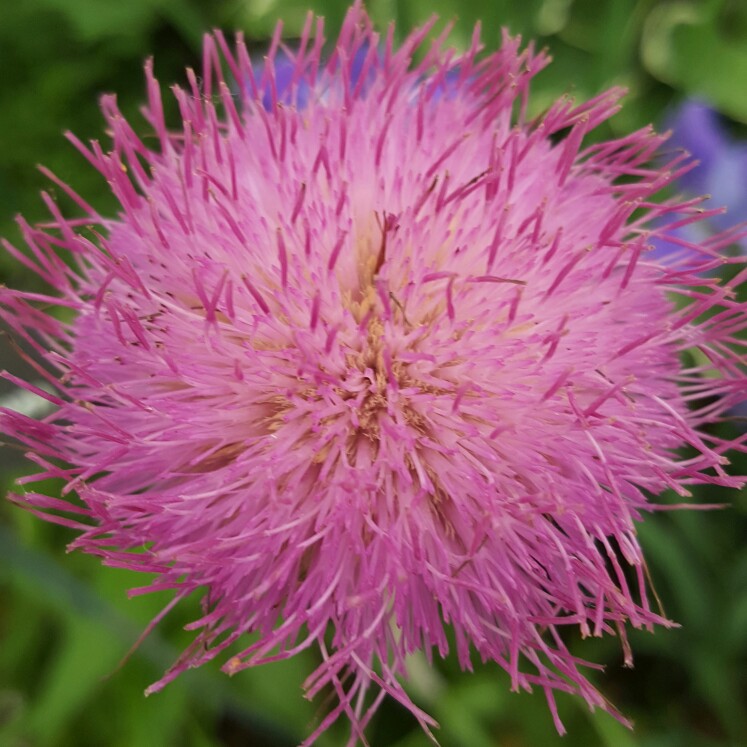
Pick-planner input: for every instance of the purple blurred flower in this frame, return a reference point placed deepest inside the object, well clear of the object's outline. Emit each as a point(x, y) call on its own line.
point(282, 83)
point(721, 173)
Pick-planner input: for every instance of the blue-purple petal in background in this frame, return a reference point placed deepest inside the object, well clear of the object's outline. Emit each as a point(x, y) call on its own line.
point(298, 95)
point(721, 173)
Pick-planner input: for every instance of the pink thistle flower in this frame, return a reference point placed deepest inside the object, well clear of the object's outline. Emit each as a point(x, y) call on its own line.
point(380, 363)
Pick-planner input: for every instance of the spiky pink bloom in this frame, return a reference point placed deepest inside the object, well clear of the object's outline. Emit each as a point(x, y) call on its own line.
point(389, 361)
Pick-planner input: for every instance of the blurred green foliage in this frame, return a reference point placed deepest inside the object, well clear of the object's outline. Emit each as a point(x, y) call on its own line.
point(66, 622)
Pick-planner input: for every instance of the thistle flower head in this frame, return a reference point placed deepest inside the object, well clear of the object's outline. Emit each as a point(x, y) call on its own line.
point(377, 358)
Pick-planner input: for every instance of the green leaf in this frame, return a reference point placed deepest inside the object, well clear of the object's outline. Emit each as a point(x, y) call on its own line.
point(85, 656)
point(97, 634)
point(611, 732)
point(685, 44)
